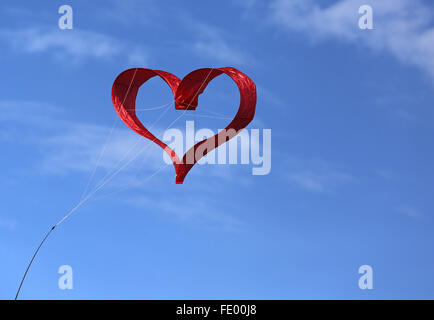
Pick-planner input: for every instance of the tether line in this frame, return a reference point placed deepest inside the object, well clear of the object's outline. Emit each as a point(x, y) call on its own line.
point(31, 261)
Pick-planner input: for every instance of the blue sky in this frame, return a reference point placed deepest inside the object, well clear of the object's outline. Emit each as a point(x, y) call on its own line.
point(352, 165)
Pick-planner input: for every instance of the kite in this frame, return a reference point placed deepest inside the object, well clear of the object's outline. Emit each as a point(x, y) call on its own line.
point(186, 93)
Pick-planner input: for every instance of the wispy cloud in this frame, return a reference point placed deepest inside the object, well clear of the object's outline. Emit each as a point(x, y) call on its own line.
point(78, 146)
point(220, 50)
point(68, 147)
point(409, 212)
point(214, 43)
point(27, 112)
point(315, 175)
point(9, 224)
point(73, 44)
point(63, 147)
point(319, 181)
point(130, 13)
point(188, 210)
point(403, 28)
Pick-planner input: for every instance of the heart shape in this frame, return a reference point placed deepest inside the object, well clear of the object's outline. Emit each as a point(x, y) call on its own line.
point(186, 93)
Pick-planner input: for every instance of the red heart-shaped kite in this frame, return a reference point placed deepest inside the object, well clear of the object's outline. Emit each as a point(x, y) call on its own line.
point(186, 93)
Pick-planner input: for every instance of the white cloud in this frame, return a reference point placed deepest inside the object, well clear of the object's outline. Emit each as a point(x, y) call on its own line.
point(76, 44)
point(403, 28)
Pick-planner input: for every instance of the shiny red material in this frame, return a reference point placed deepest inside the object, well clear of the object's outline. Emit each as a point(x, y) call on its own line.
point(186, 93)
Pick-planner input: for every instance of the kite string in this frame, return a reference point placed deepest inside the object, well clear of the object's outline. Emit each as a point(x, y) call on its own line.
point(107, 140)
point(132, 185)
point(151, 108)
point(104, 182)
point(111, 133)
point(127, 163)
point(87, 185)
point(132, 148)
point(31, 261)
point(99, 158)
point(137, 142)
point(135, 184)
point(93, 192)
point(212, 117)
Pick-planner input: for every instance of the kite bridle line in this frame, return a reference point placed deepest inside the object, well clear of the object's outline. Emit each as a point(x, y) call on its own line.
point(132, 185)
point(151, 108)
point(141, 182)
point(107, 140)
point(131, 149)
point(103, 183)
point(134, 157)
point(138, 139)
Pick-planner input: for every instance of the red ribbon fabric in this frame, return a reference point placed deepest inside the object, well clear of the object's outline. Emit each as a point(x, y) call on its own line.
point(186, 93)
